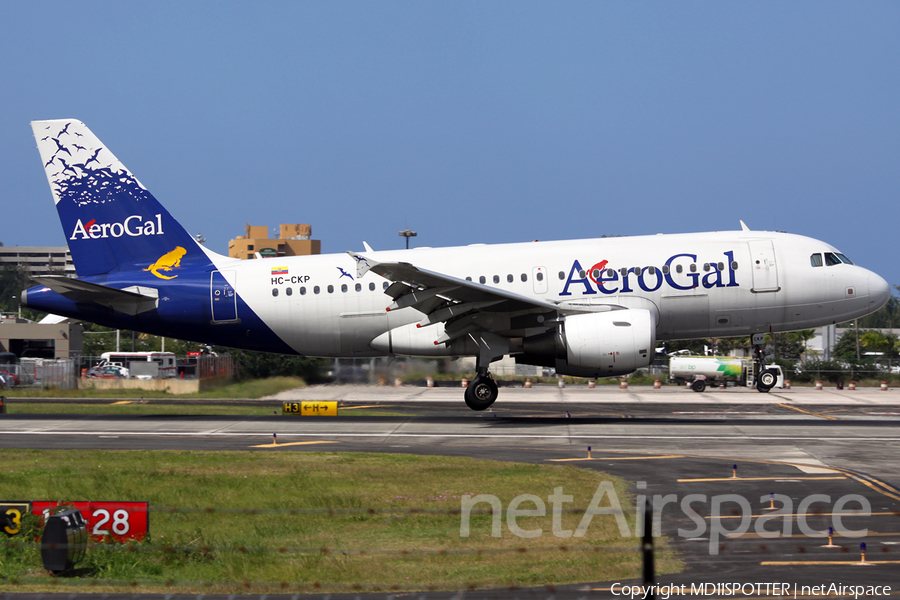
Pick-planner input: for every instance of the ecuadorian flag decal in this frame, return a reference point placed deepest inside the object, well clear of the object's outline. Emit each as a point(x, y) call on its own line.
point(279, 270)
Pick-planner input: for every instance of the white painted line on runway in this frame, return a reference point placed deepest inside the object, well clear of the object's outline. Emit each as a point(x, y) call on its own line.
point(455, 435)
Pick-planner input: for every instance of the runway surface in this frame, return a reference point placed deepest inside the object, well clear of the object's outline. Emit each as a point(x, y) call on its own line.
point(676, 443)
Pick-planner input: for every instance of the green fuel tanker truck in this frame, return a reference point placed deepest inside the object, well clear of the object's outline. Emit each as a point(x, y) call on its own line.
point(701, 371)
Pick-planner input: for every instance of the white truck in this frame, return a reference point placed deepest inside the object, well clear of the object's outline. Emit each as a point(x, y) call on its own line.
point(701, 371)
point(143, 365)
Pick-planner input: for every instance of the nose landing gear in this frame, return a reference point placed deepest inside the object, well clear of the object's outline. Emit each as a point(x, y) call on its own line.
point(765, 378)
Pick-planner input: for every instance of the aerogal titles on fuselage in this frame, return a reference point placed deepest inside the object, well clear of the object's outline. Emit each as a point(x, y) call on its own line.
point(602, 278)
point(133, 226)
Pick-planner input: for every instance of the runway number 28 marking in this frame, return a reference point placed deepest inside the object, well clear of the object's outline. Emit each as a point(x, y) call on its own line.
point(116, 520)
point(120, 524)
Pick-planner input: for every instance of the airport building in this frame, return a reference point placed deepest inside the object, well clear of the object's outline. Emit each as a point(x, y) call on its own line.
point(293, 240)
point(27, 339)
point(39, 260)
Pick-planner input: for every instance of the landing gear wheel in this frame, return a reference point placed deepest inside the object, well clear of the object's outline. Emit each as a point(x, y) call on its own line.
point(481, 393)
point(766, 380)
point(698, 386)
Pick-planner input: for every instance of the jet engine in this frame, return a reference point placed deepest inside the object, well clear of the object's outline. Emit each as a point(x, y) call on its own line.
point(603, 344)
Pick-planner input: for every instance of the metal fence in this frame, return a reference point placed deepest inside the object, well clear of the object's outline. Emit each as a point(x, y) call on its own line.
point(46, 373)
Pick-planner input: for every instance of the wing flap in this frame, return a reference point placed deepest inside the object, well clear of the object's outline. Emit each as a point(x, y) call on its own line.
point(409, 279)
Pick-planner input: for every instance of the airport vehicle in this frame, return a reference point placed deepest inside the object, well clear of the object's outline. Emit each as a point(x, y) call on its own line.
point(13, 378)
point(705, 370)
point(107, 372)
point(592, 308)
point(143, 365)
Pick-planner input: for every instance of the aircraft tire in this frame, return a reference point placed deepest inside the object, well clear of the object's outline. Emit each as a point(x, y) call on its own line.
point(698, 386)
point(481, 393)
point(766, 380)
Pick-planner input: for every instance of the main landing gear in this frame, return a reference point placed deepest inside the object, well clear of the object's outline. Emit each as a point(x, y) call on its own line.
point(482, 392)
point(766, 378)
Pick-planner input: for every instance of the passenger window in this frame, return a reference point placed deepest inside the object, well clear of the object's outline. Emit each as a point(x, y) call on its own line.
point(637, 271)
point(316, 290)
point(815, 260)
point(693, 267)
point(496, 279)
point(468, 279)
point(581, 273)
point(665, 269)
point(734, 265)
point(831, 259)
point(562, 275)
point(623, 271)
point(302, 291)
point(330, 289)
point(651, 270)
point(358, 287)
point(720, 266)
point(371, 287)
point(525, 277)
point(595, 273)
point(274, 291)
point(706, 267)
point(385, 285)
point(679, 268)
point(344, 288)
point(510, 278)
point(482, 279)
point(289, 291)
point(540, 276)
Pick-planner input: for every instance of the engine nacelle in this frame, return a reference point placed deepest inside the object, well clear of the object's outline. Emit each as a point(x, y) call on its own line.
point(603, 344)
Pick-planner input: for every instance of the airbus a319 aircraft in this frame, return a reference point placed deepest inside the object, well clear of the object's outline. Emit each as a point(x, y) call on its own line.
point(591, 308)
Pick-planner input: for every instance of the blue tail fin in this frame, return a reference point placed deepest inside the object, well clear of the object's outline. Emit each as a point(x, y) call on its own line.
point(111, 222)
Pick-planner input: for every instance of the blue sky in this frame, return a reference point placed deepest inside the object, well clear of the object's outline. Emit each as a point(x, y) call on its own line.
point(470, 122)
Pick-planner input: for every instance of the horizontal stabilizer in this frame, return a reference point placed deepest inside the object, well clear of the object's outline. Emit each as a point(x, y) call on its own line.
point(131, 301)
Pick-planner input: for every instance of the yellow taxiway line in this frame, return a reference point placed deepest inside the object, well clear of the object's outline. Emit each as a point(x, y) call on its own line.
point(279, 445)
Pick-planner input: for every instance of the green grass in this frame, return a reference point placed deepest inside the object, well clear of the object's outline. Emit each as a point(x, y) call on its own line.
point(215, 552)
point(135, 407)
point(255, 388)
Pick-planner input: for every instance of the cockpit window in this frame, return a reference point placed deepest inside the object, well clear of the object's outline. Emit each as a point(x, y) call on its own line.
point(831, 259)
point(816, 260)
point(844, 259)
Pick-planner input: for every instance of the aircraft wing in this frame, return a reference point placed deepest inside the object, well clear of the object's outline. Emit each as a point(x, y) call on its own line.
point(443, 297)
point(421, 289)
point(131, 301)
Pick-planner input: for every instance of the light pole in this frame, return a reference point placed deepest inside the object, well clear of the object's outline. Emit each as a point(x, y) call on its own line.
point(407, 234)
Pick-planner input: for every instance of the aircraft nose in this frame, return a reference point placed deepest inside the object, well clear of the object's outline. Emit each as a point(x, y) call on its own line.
point(879, 290)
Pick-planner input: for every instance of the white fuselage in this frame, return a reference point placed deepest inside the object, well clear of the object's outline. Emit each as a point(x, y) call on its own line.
point(696, 285)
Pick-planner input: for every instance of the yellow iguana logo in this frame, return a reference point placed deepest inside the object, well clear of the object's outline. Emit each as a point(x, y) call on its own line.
point(167, 262)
